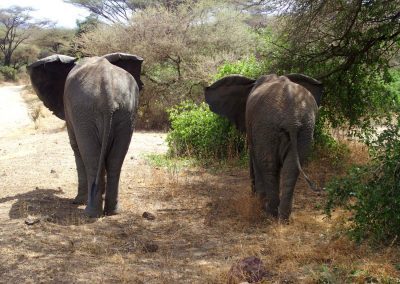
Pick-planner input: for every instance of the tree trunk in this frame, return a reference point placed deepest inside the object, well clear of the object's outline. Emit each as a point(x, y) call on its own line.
point(7, 59)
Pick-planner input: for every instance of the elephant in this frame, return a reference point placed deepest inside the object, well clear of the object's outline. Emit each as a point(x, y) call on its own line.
point(278, 115)
point(98, 98)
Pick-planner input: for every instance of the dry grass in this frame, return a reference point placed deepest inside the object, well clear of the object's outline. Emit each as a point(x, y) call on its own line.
point(42, 118)
point(205, 221)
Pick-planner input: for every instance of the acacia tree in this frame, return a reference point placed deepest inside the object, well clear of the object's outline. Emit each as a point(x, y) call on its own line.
point(182, 49)
point(16, 28)
point(120, 11)
point(346, 44)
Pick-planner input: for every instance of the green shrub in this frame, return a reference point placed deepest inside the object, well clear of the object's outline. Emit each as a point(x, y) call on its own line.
point(326, 145)
point(371, 193)
point(8, 73)
point(197, 132)
point(250, 67)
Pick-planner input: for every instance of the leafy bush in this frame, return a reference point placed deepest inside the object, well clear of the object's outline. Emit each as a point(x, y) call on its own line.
point(371, 193)
point(324, 144)
point(197, 132)
point(249, 67)
point(8, 73)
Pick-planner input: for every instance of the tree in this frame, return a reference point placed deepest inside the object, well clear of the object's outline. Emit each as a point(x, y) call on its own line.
point(120, 11)
point(182, 49)
point(16, 27)
point(88, 24)
point(53, 40)
point(346, 44)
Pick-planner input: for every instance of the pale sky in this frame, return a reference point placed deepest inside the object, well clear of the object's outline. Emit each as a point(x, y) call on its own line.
point(64, 15)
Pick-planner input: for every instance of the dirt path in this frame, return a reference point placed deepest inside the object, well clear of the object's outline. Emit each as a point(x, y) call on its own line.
point(13, 110)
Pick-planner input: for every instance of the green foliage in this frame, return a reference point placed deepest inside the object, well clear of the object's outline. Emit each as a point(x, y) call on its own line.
point(372, 192)
point(249, 67)
point(393, 85)
point(170, 163)
point(182, 45)
point(9, 73)
point(350, 54)
point(197, 132)
point(88, 24)
point(326, 145)
point(326, 274)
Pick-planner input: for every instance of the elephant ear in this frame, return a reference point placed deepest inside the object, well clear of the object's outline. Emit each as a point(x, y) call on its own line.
point(228, 96)
point(313, 86)
point(128, 62)
point(48, 77)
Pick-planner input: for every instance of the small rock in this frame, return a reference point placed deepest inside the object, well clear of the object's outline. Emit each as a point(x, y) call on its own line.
point(148, 216)
point(150, 247)
point(250, 269)
point(132, 158)
point(30, 220)
point(52, 171)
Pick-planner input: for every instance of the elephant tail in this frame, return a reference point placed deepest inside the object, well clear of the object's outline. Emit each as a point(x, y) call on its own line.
point(293, 139)
point(104, 145)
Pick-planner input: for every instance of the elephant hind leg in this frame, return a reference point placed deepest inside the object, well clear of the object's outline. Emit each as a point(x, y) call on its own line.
point(119, 145)
point(266, 174)
point(89, 149)
point(82, 195)
point(252, 176)
point(290, 172)
point(266, 168)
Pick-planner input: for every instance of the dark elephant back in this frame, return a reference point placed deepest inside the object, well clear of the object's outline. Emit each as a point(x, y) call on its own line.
point(278, 103)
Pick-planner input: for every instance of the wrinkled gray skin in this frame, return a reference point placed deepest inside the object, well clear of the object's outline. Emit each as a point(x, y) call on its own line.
point(98, 101)
point(278, 115)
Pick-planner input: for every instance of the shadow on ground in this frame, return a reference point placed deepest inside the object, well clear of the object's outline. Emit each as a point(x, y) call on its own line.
point(46, 205)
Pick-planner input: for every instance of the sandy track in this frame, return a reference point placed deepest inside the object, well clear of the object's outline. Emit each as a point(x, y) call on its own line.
point(13, 110)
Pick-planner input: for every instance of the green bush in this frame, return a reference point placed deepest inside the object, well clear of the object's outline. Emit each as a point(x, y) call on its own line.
point(327, 146)
point(250, 67)
point(8, 73)
point(197, 132)
point(371, 193)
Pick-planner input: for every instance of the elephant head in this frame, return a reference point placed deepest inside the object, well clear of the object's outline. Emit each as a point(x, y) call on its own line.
point(228, 96)
point(48, 76)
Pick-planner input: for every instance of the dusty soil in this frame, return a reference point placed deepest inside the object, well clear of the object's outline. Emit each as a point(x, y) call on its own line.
point(205, 220)
point(13, 113)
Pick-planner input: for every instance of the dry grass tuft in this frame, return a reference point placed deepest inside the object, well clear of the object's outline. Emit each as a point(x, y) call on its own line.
point(247, 207)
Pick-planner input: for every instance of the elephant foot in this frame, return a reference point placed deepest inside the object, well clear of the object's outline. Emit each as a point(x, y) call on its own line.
point(283, 220)
point(272, 214)
point(93, 213)
point(112, 210)
point(271, 210)
point(80, 200)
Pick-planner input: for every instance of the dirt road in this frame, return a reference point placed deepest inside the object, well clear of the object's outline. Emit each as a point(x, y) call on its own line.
point(13, 110)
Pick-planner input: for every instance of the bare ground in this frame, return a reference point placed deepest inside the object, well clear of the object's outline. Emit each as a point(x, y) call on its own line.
point(205, 221)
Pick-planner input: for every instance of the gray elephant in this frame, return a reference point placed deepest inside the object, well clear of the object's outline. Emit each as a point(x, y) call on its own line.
point(98, 98)
point(278, 115)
